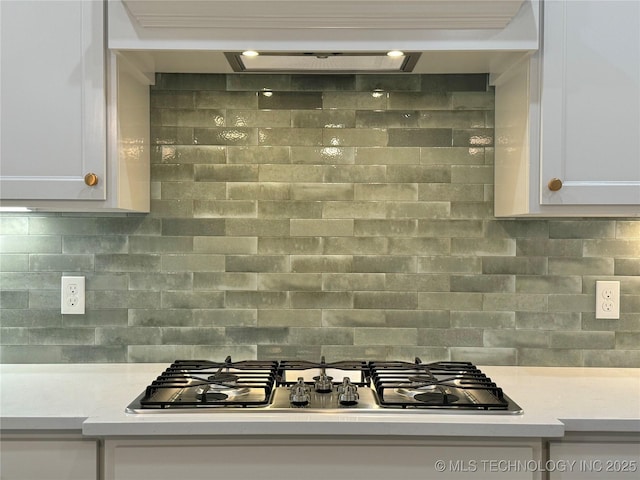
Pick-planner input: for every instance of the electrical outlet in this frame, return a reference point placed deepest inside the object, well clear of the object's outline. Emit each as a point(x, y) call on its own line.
point(72, 298)
point(607, 299)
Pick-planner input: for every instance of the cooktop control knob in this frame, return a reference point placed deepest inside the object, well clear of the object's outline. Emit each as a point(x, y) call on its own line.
point(299, 395)
point(347, 392)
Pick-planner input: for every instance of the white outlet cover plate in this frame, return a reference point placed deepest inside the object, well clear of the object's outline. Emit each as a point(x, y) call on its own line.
point(72, 296)
point(608, 299)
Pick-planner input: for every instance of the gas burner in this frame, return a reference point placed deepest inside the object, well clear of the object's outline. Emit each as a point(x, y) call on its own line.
point(437, 398)
point(217, 392)
point(299, 395)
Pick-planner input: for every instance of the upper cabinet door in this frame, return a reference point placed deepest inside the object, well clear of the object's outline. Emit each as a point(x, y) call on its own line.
point(590, 101)
point(53, 124)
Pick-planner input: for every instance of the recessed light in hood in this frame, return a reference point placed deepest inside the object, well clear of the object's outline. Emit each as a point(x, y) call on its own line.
point(323, 62)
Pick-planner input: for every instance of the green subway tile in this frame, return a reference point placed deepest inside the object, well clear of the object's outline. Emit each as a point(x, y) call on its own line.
point(586, 228)
point(62, 336)
point(98, 318)
point(381, 300)
point(483, 320)
point(130, 225)
point(384, 264)
point(192, 336)
point(127, 263)
point(354, 174)
point(186, 299)
point(478, 82)
point(93, 354)
point(226, 173)
point(176, 117)
point(627, 229)
point(387, 119)
point(324, 336)
point(449, 264)
point(416, 282)
point(287, 352)
point(258, 191)
point(473, 137)
point(62, 226)
point(188, 81)
point(61, 263)
point(417, 318)
point(259, 299)
point(391, 82)
point(289, 100)
point(256, 227)
point(225, 281)
point(353, 209)
point(517, 229)
point(172, 172)
point(260, 81)
point(612, 248)
point(471, 210)
point(257, 118)
point(128, 336)
point(515, 338)
point(171, 135)
point(387, 155)
point(94, 244)
point(627, 340)
point(386, 227)
point(353, 281)
point(470, 174)
point(325, 82)
point(483, 283)
point(106, 299)
point(322, 191)
point(515, 265)
point(419, 101)
point(353, 318)
point(549, 284)
point(355, 100)
point(611, 359)
point(172, 99)
point(322, 300)
point(141, 317)
point(160, 281)
point(226, 136)
point(14, 262)
point(225, 245)
point(548, 321)
point(258, 155)
point(257, 263)
point(323, 155)
point(627, 266)
point(30, 244)
point(175, 244)
point(322, 263)
point(30, 281)
point(452, 119)
point(323, 118)
point(256, 335)
point(485, 355)
point(444, 337)
point(570, 303)
point(223, 209)
point(418, 246)
point(354, 245)
point(420, 210)
point(11, 225)
point(11, 300)
point(226, 100)
point(290, 136)
point(215, 317)
point(31, 354)
point(529, 302)
point(551, 248)
point(550, 357)
point(290, 318)
point(420, 137)
point(418, 174)
point(452, 156)
point(384, 336)
point(483, 246)
point(446, 192)
point(580, 266)
point(473, 100)
point(395, 192)
point(355, 137)
point(291, 173)
point(321, 227)
point(289, 245)
point(289, 281)
point(409, 353)
point(192, 263)
point(289, 209)
point(450, 228)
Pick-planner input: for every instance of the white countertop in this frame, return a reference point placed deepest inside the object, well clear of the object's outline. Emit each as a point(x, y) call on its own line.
point(92, 397)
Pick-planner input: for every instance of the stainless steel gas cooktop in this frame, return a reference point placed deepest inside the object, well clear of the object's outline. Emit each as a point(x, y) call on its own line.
point(291, 385)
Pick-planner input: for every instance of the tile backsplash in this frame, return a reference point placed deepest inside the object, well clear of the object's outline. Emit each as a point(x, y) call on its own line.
point(297, 216)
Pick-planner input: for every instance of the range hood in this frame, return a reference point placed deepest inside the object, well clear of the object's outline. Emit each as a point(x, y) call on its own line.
point(319, 36)
point(324, 14)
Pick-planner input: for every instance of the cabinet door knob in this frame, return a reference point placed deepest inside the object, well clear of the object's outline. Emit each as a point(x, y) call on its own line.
point(554, 184)
point(91, 179)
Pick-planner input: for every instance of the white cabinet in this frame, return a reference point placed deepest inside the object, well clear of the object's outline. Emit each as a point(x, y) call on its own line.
point(568, 118)
point(601, 460)
point(54, 151)
point(49, 459)
point(292, 458)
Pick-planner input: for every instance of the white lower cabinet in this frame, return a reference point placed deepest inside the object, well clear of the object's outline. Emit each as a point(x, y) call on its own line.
point(294, 458)
point(602, 460)
point(48, 459)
